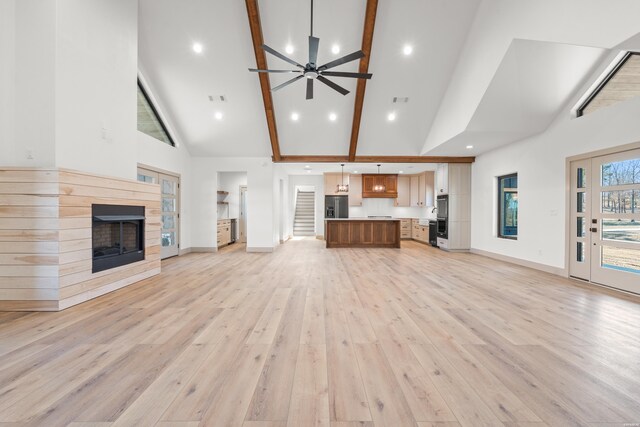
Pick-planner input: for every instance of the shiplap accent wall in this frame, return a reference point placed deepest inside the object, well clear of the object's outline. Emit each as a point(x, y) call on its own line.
point(45, 237)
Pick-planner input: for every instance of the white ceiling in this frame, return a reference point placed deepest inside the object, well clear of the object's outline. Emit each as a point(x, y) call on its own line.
point(533, 82)
point(182, 80)
point(467, 72)
point(335, 21)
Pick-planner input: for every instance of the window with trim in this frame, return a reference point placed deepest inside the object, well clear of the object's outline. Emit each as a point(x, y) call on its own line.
point(508, 206)
point(149, 121)
point(620, 84)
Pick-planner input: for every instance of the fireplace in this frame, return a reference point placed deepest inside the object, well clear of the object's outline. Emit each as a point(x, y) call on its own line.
point(117, 235)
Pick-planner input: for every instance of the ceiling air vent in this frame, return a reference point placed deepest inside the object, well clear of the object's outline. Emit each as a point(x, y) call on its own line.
point(217, 98)
point(400, 100)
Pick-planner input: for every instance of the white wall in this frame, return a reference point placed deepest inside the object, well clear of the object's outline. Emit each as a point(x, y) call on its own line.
point(69, 70)
point(540, 164)
point(259, 199)
point(27, 82)
point(317, 181)
point(282, 224)
point(96, 72)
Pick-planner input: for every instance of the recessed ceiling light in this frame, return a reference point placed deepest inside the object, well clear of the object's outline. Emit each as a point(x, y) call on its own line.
point(407, 49)
point(401, 172)
point(333, 117)
point(295, 116)
point(289, 49)
point(307, 167)
point(469, 147)
point(355, 171)
point(197, 47)
point(391, 117)
point(335, 49)
point(218, 115)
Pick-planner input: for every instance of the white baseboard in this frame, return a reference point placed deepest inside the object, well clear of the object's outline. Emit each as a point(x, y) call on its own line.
point(259, 249)
point(184, 251)
point(202, 249)
point(535, 265)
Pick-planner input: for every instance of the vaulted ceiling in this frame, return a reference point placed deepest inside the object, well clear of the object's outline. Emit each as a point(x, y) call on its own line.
point(473, 61)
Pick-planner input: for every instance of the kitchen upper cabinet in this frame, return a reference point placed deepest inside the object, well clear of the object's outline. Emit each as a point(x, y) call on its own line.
point(389, 181)
point(442, 178)
point(404, 191)
point(331, 181)
point(355, 190)
point(415, 190)
point(428, 189)
point(422, 190)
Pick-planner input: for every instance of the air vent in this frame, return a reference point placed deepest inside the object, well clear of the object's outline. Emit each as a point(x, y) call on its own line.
point(400, 100)
point(217, 98)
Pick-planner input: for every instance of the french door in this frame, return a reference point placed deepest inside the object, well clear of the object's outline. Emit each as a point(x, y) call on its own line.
point(170, 209)
point(605, 218)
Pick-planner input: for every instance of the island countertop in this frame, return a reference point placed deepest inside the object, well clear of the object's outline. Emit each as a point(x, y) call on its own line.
point(362, 232)
point(362, 219)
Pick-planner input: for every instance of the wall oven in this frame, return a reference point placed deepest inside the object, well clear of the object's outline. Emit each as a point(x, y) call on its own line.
point(443, 228)
point(443, 216)
point(443, 206)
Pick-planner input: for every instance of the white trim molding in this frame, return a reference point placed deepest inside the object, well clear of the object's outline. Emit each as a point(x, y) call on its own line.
point(524, 263)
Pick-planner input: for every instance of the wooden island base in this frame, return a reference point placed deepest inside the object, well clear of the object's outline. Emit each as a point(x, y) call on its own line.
point(362, 233)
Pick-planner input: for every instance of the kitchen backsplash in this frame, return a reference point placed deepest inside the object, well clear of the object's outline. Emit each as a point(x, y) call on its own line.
point(384, 207)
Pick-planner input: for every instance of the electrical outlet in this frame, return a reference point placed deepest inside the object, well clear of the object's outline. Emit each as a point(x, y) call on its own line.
point(29, 154)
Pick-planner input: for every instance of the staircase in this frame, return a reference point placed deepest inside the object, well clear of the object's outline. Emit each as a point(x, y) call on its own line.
point(304, 220)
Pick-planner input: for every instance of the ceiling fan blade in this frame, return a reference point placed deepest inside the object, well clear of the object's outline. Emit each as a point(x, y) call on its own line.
point(313, 49)
point(347, 58)
point(309, 88)
point(287, 83)
point(281, 56)
point(255, 70)
point(343, 74)
point(333, 86)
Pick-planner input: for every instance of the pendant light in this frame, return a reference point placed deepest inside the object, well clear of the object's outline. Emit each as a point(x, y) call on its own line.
point(379, 188)
point(342, 188)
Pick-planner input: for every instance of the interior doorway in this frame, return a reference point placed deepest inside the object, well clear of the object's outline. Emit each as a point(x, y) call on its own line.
point(169, 208)
point(605, 220)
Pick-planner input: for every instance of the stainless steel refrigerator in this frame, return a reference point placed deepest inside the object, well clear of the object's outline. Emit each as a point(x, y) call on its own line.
point(336, 206)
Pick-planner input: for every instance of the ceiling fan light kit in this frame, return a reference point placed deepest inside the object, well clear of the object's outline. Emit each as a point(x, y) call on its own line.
point(311, 71)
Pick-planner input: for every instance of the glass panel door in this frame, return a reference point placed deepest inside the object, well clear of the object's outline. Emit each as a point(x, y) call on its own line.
point(615, 232)
point(579, 253)
point(169, 188)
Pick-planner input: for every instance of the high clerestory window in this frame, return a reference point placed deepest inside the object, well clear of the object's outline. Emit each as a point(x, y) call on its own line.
point(149, 121)
point(620, 84)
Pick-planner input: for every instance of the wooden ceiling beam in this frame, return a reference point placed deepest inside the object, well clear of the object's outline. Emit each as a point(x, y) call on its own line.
point(265, 84)
point(374, 159)
point(367, 41)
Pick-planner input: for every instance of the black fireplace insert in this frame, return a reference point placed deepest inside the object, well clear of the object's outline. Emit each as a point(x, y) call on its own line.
point(118, 235)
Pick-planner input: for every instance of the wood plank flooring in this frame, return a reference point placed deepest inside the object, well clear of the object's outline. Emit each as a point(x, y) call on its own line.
point(308, 336)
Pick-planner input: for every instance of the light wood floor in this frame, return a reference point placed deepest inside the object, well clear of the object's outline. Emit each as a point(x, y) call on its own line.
point(313, 337)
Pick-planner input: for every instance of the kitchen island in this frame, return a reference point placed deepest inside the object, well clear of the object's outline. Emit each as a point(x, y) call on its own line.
point(362, 233)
